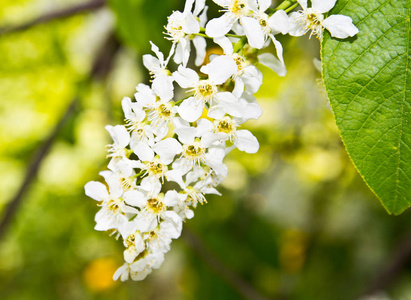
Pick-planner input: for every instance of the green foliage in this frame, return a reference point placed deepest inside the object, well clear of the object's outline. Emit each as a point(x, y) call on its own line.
point(368, 81)
point(140, 21)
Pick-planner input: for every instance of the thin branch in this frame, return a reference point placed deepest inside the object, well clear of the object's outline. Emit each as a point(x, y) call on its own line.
point(400, 257)
point(34, 167)
point(101, 67)
point(233, 279)
point(59, 14)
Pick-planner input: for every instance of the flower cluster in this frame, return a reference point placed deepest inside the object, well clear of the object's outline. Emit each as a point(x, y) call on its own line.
point(169, 153)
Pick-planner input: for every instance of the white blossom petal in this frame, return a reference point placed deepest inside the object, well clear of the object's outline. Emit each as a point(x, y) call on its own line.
point(151, 62)
point(199, 6)
point(264, 5)
point(143, 151)
point(175, 176)
point(134, 198)
point(191, 25)
point(272, 62)
point(145, 95)
point(340, 26)
point(167, 149)
point(220, 69)
point(163, 87)
point(191, 109)
point(210, 137)
point(279, 22)
point(296, 26)
point(225, 43)
point(246, 141)
point(185, 77)
point(132, 110)
point(123, 272)
point(119, 134)
point(323, 6)
point(303, 3)
point(96, 190)
point(200, 45)
point(220, 26)
point(254, 32)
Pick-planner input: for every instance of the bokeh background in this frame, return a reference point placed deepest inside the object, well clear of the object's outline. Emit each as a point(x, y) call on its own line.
point(295, 220)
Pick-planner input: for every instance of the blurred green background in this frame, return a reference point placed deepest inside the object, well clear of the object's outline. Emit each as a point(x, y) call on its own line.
point(295, 220)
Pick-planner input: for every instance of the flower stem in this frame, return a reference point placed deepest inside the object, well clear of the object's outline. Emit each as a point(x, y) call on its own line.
point(203, 35)
point(240, 44)
point(286, 5)
point(291, 8)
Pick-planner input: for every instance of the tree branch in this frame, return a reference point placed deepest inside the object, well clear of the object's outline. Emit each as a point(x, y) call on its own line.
point(233, 279)
point(59, 14)
point(101, 67)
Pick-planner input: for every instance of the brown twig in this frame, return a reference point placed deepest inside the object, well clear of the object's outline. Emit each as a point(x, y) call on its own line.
point(34, 167)
point(59, 14)
point(101, 67)
point(233, 279)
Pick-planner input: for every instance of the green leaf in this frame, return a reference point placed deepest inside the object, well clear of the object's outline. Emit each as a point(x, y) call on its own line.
point(368, 81)
point(141, 21)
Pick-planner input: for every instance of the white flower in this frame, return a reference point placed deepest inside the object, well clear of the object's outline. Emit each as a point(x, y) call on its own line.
point(234, 10)
point(141, 268)
point(159, 239)
point(134, 244)
point(180, 28)
point(144, 266)
point(247, 75)
point(113, 209)
point(154, 168)
point(205, 90)
point(167, 149)
point(153, 205)
point(199, 182)
point(312, 18)
point(141, 133)
point(226, 128)
point(156, 65)
point(161, 112)
point(121, 139)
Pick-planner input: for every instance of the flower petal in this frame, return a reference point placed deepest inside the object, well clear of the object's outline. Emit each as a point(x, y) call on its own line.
point(191, 25)
point(323, 6)
point(220, 26)
point(151, 62)
point(246, 141)
point(254, 32)
point(272, 62)
point(279, 22)
point(199, 6)
point(264, 5)
point(96, 190)
point(163, 87)
point(167, 149)
point(340, 26)
point(225, 43)
point(210, 137)
point(143, 151)
point(296, 26)
point(145, 95)
point(200, 45)
point(220, 69)
point(185, 77)
point(191, 109)
point(303, 3)
point(134, 198)
point(120, 135)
